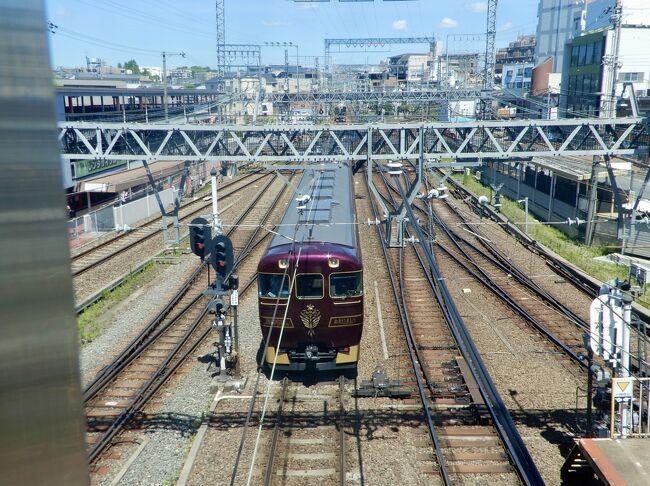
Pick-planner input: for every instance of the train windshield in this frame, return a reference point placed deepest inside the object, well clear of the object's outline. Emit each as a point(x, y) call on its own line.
point(309, 286)
point(272, 285)
point(346, 284)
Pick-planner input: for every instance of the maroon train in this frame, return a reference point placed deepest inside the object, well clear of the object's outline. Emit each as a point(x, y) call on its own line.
point(310, 278)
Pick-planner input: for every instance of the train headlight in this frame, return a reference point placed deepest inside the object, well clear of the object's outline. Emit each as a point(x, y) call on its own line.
point(333, 262)
point(283, 263)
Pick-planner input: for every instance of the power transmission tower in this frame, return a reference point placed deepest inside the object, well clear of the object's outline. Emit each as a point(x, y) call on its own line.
point(221, 39)
point(490, 43)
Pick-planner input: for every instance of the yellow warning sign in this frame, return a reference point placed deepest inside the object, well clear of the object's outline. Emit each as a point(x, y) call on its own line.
point(623, 388)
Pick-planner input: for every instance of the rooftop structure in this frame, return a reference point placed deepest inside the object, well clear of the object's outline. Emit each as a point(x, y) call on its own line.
point(520, 51)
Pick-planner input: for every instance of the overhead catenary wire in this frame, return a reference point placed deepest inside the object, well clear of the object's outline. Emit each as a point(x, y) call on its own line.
point(265, 347)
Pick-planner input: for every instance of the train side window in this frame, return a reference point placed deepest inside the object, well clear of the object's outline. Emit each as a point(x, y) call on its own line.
point(271, 285)
point(309, 286)
point(346, 285)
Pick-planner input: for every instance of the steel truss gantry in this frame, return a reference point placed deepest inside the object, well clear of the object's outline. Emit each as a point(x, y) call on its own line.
point(374, 42)
point(398, 96)
point(360, 142)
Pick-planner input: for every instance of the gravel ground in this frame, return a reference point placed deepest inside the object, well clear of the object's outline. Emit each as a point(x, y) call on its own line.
point(387, 431)
point(541, 393)
point(176, 417)
point(92, 281)
point(231, 412)
point(124, 320)
point(180, 409)
point(381, 429)
point(535, 265)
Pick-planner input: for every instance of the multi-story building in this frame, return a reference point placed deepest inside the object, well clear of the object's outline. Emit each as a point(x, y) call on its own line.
point(558, 21)
point(520, 51)
point(413, 67)
point(460, 70)
point(517, 77)
point(588, 84)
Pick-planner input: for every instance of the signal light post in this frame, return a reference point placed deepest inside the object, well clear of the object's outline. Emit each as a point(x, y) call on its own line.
point(218, 250)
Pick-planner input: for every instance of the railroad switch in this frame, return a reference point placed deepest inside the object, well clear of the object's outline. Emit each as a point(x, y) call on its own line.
point(382, 386)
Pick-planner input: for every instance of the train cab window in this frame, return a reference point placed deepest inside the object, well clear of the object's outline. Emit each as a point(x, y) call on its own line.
point(346, 284)
point(309, 286)
point(269, 285)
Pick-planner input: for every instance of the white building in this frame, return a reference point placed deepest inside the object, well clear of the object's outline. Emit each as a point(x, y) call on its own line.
point(517, 77)
point(154, 70)
point(558, 21)
point(414, 67)
point(599, 13)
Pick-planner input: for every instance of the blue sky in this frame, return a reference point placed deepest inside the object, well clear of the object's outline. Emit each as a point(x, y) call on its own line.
point(118, 30)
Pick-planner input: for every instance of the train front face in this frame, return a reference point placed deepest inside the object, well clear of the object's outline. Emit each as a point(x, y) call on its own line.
point(315, 297)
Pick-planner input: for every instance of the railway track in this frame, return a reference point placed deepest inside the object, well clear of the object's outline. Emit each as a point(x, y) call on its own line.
point(473, 253)
point(90, 258)
point(121, 390)
point(308, 442)
point(550, 317)
point(472, 435)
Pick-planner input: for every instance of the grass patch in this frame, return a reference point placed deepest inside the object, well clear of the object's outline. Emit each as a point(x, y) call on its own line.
point(574, 251)
point(88, 322)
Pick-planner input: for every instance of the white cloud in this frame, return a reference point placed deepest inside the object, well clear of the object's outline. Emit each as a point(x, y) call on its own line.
point(61, 11)
point(400, 25)
point(505, 27)
point(307, 6)
point(477, 7)
point(448, 23)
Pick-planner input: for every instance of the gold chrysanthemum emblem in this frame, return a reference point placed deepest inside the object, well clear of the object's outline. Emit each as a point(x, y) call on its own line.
point(310, 317)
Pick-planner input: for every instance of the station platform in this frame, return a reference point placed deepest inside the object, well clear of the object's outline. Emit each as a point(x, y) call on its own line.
point(612, 462)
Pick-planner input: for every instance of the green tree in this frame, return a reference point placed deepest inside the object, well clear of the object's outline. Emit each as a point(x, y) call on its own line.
point(119, 65)
point(133, 66)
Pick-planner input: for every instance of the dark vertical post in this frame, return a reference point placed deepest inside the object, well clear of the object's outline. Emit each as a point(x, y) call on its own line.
point(42, 438)
point(593, 201)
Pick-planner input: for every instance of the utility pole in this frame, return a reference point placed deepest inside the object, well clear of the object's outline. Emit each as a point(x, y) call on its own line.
point(613, 60)
point(286, 68)
point(164, 75)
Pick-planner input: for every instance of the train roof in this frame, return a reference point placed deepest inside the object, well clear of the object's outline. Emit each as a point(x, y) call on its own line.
point(329, 214)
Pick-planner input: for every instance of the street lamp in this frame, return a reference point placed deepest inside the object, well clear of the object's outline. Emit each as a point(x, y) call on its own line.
point(289, 44)
point(164, 66)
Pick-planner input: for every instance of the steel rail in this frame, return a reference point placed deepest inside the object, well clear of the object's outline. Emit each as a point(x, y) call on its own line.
point(505, 427)
point(501, 418)
point(268, 473)
point(501, 262)
point(160, 376)
point(343, 451)
point(147, 335)
point(142, 340)
point(586, 285)
point(479, 274)
point(138, 241)
point(163, 371)
point(401, 307)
